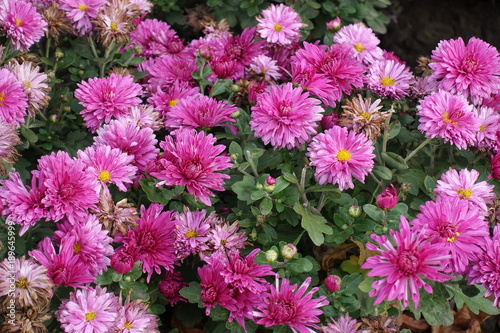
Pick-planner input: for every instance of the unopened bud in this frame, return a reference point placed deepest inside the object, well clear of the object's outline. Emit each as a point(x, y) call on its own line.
point(137, 49)
point(53, 118)
point(334, 25)
point(289, 251)
point(58, 54)
point(260, 219)
point(333, 283)
point(233, 157)
point(405, 187)
point(235, 88)
point(354, 211)
point(236, 114)
point(259, 186)
point(388, 199)
point(271, 256)
point(253, 235)
point(270, 184)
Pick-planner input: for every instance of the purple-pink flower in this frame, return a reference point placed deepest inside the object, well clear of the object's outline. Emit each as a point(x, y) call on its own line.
point(13, 100)
point(81, 13)
point(389, 78)
point(156, 38)
point(362, 42)
point(191, 232)
point(279, 24)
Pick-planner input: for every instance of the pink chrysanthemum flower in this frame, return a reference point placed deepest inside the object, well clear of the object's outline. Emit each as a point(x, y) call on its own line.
point(170, 286)
point(89, 310)
point(166, 70)
point(285, 116)
point(344, 324)
point(34, 84)
point(199, 111)
point(191, 232)
point(226, 237)
point(33, 286)
point(104, 98)
point(464, 185)
point(145, 116)
point(339, 155)
point(460, 227)
point(191, 160)
point(472, 70)
point(265, 66)
point(70, 191)
point(21, 23)
point(214, 290)
point(404, 264)
point(389, 78)
point(243, 48)
point(81, 13)
point(362, 41)
point(449, 117)
point(9, 138)
point(134, 317)
point(63, 268)
point(89, 241)
point(13, 100)
point(287, 305)
point(489, 125)
point(109, 165)
point(156, 38)
point(131, 139)
point(279, 24)
point(423, 86)
point(165, 100)
point(153, 237)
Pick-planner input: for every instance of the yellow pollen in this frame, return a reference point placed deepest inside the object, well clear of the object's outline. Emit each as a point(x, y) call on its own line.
point(89, 316)
point(82, 7)
point(104, 176)
point(359, 47)
point(127, 325)
point(113, 26)
point(277, 27)
point(77, 248)
point(22, 283)
point(482, 128)
point(27, 84)
point(453, 238)
point(264, 71)
point(387, 81)
point(191, 234)
point(223, 242)
point(446, 118)
point(366, 115)
point(173, 102)
point(464, 193)
point(343, 155)
point(18, 22)
point(2, 98)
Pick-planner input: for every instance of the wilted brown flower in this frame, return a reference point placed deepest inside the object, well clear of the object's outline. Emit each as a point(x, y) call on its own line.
point(199, 17)
point(119, 217)
point(379, 324)
point(26, 320)
point(423, 66)
point(57, 22)
point(114, 23)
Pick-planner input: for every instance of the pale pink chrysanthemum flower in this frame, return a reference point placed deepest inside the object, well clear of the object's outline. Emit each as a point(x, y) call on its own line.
point(164, 100)
point(145, 116)
point(109, 165)
point(81, 13)
point(156, 38)
point(104, 98)
point(472, 70)
point(362, 41)
point(403, 265)
point(423, 86)
point(464, 185)
point(89, 310)
point(134, 317)
point(199, 111)
point(144, 6)
point(339, 155)
point(288, 305)
point(34, 84)
point(13, 100)
point(489, 124)
point(33, 286)
point(285, 116)
point(225, 237)
point(22, 23)
point(447, 116)
point(9, 138)
point(344, 324)
point(130, 138)
point(191, 232)
point(279, 24)
point(460, 227)
point(191, 159)
point(265, 66)
point(90, 242)
point(389, 78)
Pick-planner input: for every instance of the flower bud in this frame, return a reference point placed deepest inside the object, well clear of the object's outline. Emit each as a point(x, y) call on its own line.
point(333, 283)
point(236, 114)
point(388, 199)
point(329, 120)
point(354, 211)
point(253, 235)
point(122, 262)
point(495, 167)
point(260, 220)
point(235, 88)
point(334, 25)
point(288, 251)
point(58, 54)
point(270, 184)
point(53, 118)
point(233, 157)
point(271, 256)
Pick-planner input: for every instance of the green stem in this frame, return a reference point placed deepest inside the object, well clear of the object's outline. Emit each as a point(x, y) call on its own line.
point(252, 165)
point(6, 50)
point(47, 47)
point(321, 202)
point(302, 190)
point(416, 150)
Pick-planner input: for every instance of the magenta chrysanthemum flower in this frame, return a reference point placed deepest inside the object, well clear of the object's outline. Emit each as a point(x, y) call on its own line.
point(362, 42)
point(33, 82)
point(109, 165)
point(279, 24)
point(339, 155)
point(265, 66)
point(22, 23)
point(192, 159)
point(389, 78)
point(163, 101)
point(104, 98)
point(344, 324)
point(287, 305)
point(464, 185)
point(191, 233)
point(156, 38)
point(489, 125)
point(153, 237)
point(81, 13)
point(89, 310)
point(285, 116)
point(404, 264)
point(70, 191)
point(134, 317)
point(460, 227)
point(170, 286)
point(214, 290)
point(243, 48)
point(226, 237)
point(472, 70)
point(449, 117)
point(167, 69)
point(13, 100)
point(199, 111)
point(131, 139)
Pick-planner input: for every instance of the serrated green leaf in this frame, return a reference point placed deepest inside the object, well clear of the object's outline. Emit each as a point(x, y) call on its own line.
point(350, 283)
point(475, 304)
point(315, 225)
point(244, 189)
point(192, 292)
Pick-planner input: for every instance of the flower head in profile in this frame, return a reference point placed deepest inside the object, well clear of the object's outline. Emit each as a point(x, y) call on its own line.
point(191, 159)
point(471, 70)
point(9, 138)
point(389, 78)
point(135, 317)
point(403, 265)
point(13, 100)
point(339, 155)
point(288, 305)
point(344, 324)
point(285, 116)
point(170, 286)
point(448, 116)
point(361, 40)
point(279, 24)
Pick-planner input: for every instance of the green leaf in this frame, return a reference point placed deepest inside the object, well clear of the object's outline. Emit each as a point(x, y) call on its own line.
point(266, 205)
point(290, 177)
point(475, 304)
point(315, 225)
point(192, 292)
point(394, 160)
point(29, 134)
point(394, 129)
point(157, 309)
point(220, 86)
point(435, 307)
point(300, 265)
point(429, 183)
point(350, 283)
point(413, 176)
point(373, 211)
point(382, 172)
point(244, 189)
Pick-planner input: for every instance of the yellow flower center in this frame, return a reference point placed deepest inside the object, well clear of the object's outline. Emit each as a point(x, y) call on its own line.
point(77, 247)
point(464, 193)
point(446, 118)
point(113, 26)
point(264, 71)
point(387, 81)
point(482, 128)
point(27, 84)
point(223, 242)
point(343, 155)
point(2, 98)
point(83, 7)
point(173, 102)
point(366, 115)
point(22, 283)
point(277, 27)
point(127, 325)
point(191, 234)
point(104, 176)
point(18, 22)
point(359, 47)
point(89, 316)
point(453, 238)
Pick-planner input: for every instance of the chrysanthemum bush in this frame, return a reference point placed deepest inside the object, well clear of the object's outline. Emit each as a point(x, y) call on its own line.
point(240, 182)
